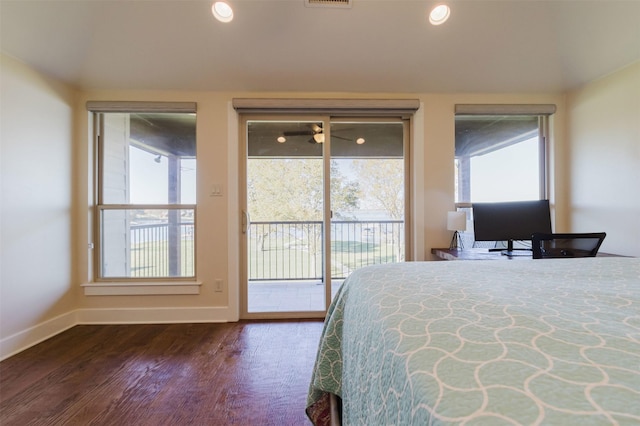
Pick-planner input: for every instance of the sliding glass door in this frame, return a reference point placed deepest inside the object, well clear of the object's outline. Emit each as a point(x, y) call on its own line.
point(322, 197)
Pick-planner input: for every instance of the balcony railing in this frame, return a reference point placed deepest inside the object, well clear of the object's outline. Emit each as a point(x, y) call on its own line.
point(152, 254)
point(294, 250)
point(277, 250)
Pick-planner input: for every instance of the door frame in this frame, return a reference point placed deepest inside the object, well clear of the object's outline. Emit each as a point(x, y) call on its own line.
point(326, 119)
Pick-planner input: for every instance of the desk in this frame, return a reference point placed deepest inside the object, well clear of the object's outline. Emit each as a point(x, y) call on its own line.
point(475, 254)
point(484, 254)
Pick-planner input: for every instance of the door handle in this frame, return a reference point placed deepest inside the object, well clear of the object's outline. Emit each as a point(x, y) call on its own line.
point(245, 221)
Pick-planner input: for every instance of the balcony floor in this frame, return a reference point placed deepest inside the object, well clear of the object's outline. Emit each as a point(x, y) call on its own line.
point(288, 296)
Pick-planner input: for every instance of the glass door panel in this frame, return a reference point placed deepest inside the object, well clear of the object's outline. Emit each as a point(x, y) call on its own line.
point(285, 211)
point(367, 196)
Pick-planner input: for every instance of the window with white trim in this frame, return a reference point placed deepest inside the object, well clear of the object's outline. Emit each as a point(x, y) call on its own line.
point(145, 191)
point(500, 155)
point(500, 152)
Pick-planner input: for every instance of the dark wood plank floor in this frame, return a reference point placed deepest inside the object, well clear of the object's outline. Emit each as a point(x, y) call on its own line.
point(246, 373)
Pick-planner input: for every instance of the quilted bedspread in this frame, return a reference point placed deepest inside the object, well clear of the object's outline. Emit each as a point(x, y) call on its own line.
point(554, 342)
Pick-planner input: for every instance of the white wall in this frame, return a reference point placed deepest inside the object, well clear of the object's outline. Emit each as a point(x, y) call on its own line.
point(36, 228)
point(604, 160)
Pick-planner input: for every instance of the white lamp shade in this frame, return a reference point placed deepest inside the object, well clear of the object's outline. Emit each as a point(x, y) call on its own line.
point(456, 221)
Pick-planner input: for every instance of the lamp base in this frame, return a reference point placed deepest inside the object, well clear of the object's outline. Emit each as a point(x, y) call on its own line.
point(456, 242)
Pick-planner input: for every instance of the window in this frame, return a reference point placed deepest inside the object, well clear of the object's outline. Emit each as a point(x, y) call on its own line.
point(498, 158)
point(145, 198)
point(500, 154)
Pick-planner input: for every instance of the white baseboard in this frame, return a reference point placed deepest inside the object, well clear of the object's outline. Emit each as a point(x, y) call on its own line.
point(152, 315)
point(32, 336)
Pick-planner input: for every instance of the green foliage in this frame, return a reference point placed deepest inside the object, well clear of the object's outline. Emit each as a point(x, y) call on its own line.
point(384, 189)
point(291, 189)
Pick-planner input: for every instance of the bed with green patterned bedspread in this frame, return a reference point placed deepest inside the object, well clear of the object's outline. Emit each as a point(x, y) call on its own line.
point(483, 343)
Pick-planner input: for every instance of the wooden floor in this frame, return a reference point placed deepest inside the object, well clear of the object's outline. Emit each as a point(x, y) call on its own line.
point(246, 373)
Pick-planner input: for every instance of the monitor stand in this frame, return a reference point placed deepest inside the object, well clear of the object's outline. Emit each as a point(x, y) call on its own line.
point(510, 251)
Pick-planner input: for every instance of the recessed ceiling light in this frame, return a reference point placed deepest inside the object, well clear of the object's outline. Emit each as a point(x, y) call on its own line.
point(439, 14)
point(282, 139)
point(360, 141)
point(222, 11)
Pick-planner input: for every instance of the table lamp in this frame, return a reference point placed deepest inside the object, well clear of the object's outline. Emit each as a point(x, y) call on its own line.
point(456, 221)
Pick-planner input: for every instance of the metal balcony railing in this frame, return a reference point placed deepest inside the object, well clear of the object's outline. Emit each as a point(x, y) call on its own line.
point(153, 255)
point(288, 250)
point(294, 250)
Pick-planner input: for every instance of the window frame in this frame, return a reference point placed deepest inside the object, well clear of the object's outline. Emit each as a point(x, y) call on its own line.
point(542, 111)
point(128, 285)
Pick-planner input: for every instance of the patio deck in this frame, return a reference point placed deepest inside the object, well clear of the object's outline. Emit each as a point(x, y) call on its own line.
point(288, 296)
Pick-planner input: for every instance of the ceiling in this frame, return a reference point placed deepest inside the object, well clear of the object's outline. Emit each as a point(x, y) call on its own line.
point(376, 46)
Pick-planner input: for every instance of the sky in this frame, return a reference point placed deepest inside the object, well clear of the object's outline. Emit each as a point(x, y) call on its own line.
point(149, 183)
point(509, 174)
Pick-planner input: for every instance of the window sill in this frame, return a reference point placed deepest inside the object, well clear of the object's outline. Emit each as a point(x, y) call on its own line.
point(141, 288)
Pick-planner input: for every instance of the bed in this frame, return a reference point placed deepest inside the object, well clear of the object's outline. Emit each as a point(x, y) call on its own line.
point(482, 343)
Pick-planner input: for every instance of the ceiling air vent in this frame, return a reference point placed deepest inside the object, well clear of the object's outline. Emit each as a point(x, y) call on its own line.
point(328, 3)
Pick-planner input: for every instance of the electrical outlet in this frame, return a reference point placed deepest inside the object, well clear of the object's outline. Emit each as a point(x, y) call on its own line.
point(218, 287)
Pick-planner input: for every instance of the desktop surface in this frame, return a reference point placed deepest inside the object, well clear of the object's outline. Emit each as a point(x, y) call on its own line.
point(485, 254)
point(476, 254)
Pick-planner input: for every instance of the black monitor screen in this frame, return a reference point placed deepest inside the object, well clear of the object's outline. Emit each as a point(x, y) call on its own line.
point(508, 221)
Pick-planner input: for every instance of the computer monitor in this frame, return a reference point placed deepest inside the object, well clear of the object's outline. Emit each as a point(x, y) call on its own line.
point(510, 221)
